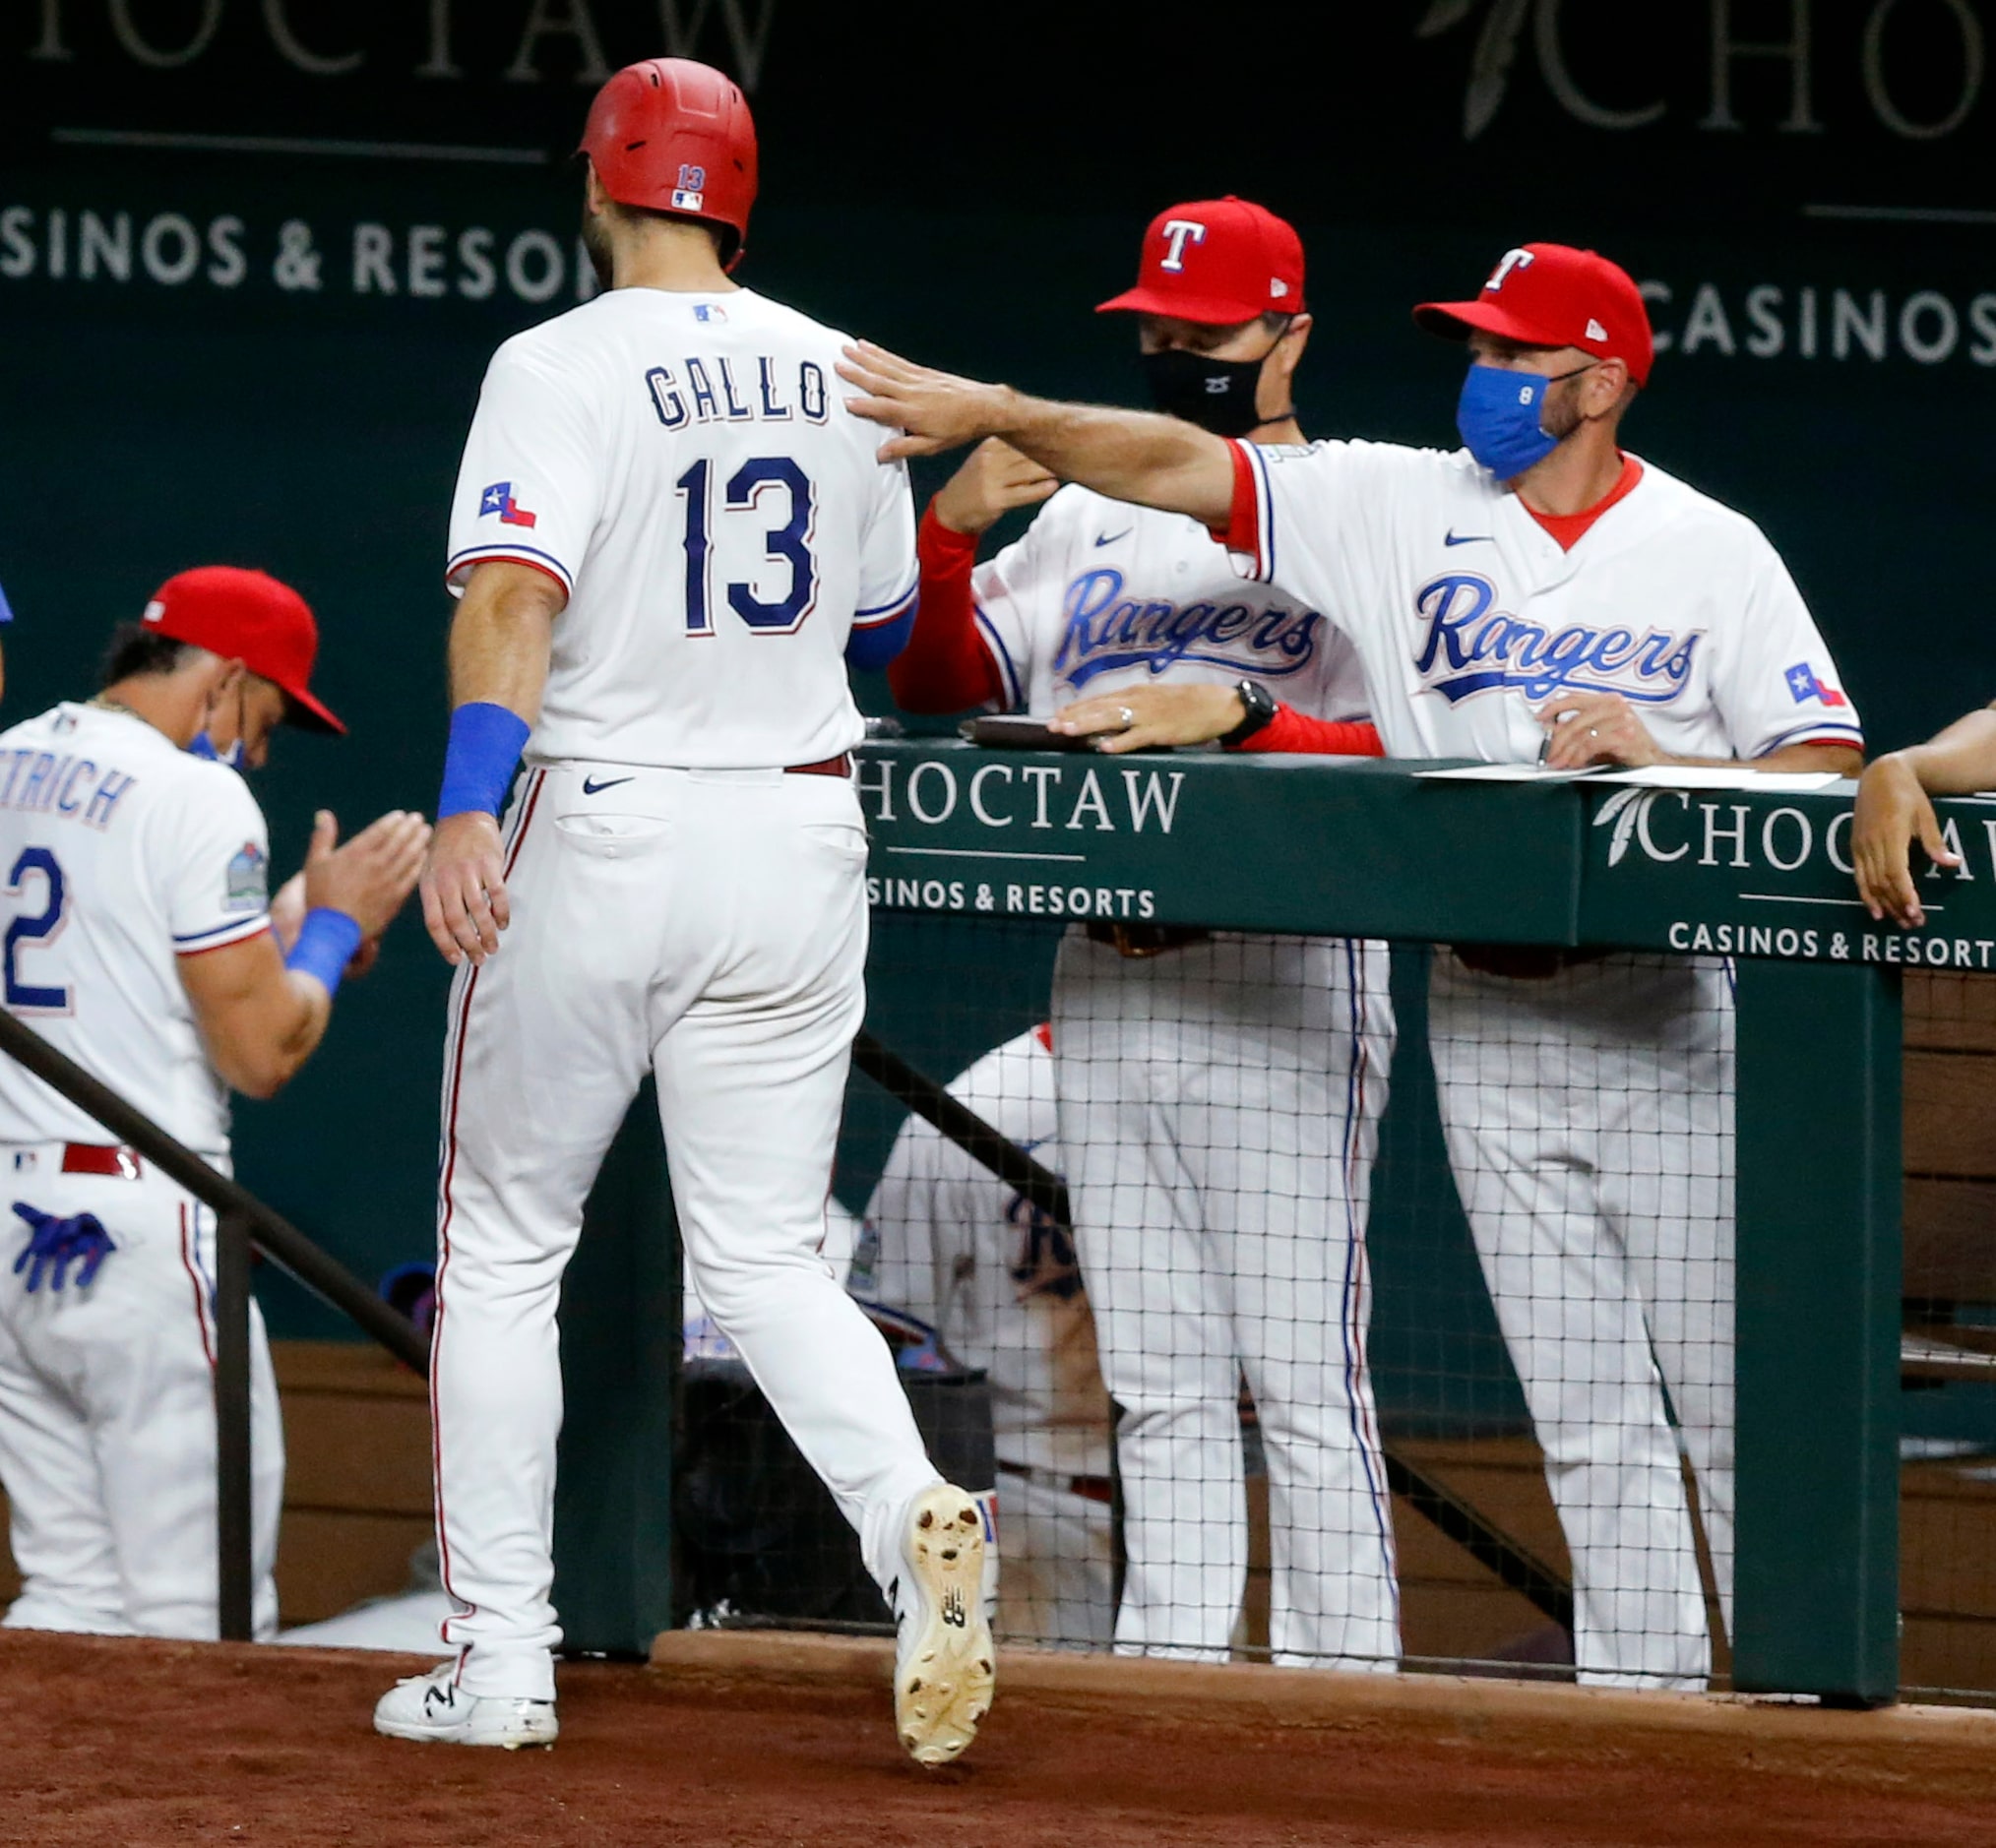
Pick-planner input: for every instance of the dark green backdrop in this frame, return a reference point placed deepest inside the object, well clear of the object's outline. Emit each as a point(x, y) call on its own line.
point(967, 199)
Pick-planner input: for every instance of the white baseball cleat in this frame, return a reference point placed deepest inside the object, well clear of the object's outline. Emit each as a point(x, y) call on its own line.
point(433, 1708)
point(944, 1671)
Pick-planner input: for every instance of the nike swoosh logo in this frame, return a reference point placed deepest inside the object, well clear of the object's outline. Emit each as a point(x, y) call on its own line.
point(591, 787)
point(1452, 538)
point(1109, 538)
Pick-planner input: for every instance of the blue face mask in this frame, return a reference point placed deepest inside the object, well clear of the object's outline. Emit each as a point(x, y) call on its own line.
point(202, 745)
point(1498, 415)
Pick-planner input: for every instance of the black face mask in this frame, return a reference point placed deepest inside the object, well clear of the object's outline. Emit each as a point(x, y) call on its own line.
point(1218, 395)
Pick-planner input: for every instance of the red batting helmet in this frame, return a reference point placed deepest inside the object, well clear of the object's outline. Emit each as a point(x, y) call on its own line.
point(672, 135)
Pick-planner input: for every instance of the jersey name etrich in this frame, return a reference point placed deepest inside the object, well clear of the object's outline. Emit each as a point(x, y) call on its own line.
point(70, 787)
point(1103, 630)
point(1472, 649)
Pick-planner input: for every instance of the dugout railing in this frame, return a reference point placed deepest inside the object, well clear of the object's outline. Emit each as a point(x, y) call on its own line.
point(243, 1225)
point(1712, 864)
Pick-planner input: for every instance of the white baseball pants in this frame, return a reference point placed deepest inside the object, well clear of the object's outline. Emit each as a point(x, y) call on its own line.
point(1219, 1109)
point(107, 1415)
point(1057, 1583)
point(1590, 1124)
point(711, 927)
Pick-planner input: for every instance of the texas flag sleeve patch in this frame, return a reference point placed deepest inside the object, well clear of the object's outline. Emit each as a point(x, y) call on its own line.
point(1804, 686)
point(498, 499)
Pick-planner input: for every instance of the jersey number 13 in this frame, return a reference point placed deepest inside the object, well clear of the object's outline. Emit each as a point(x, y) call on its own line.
point(788, 546)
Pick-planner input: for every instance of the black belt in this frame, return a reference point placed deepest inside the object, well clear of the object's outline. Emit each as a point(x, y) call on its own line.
point(1146, 939)
point(1089, 1487)
point(1523, 962)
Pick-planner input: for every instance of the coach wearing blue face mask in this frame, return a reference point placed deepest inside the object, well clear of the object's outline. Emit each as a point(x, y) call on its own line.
point(1539, 596)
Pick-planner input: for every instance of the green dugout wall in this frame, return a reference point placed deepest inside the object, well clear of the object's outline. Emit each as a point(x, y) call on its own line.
point(1763, 877)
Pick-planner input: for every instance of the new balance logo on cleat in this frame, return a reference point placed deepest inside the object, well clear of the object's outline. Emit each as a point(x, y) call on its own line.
point(433, 1709)
point(944, 1670)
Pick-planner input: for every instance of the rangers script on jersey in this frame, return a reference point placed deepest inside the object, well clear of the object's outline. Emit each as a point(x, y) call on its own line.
point(1469, 615)
point(1099, 596)
point(685, 468)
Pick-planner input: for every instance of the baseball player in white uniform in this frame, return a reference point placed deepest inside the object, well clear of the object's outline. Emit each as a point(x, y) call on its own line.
point(1540, 591)
point(670, 537)
point(948, 1240)
point(1220, 1094)
point(140, 941)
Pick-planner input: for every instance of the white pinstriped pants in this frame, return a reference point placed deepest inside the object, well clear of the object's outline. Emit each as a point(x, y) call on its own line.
point(1590, 1124)
point(711, 927)
point(107, 1415)
point(1219, 1111)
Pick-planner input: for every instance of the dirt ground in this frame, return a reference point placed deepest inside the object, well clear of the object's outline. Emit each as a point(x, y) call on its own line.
point(113, 1742)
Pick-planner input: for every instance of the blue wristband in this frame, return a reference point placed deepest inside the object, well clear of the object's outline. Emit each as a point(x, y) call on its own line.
point(327, 941)
point(486, 741)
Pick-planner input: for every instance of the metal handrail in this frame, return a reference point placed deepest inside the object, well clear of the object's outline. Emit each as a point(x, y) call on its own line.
point(242, 1221)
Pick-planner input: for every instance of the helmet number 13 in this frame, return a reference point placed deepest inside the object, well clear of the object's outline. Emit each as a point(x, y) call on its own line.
point(768, 486)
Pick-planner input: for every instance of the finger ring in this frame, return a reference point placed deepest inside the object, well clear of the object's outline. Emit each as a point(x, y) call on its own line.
point(1128, 717)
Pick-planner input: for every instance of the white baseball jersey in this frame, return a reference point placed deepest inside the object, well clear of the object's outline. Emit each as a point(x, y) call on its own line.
point(948, 1242)
point(1099, 596)
point(1469, 615)
point(685, 468)
point(121, 854)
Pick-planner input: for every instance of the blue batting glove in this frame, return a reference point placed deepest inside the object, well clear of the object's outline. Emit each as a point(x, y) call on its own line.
point(56, 1244)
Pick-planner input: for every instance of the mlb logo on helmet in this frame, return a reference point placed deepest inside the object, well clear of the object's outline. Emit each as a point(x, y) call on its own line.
point(691, 190)
point(1218, 261)
point(1553, 295)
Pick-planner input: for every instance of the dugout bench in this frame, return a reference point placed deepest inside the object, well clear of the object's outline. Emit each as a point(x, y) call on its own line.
point(1384, 849)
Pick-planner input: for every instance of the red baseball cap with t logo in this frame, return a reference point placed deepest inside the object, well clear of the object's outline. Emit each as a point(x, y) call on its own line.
point(1216, 262)
point(247, 616)
point(1553, 295)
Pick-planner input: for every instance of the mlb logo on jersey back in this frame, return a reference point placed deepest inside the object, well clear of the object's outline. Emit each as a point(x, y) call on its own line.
point(709, 311)
point(498, 499)
point(1804, 686)
point(247, 883)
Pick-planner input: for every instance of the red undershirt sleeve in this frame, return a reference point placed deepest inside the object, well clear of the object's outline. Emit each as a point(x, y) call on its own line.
point(1242, 532)
point(946, 666)
point(1291, 730)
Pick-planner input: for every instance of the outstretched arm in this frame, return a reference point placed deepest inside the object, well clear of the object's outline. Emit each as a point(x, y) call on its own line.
point(1128, 454)
point(1894, 810)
